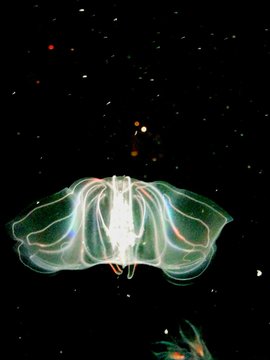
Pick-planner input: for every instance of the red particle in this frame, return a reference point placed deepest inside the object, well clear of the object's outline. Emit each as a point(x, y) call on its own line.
point(51, 47)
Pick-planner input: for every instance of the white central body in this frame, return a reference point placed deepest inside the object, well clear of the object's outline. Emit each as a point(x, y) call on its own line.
point(121, 226)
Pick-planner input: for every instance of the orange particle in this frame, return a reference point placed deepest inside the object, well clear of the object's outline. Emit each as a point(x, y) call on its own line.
point(177, 356)
point(137, 123)
point(134, 153)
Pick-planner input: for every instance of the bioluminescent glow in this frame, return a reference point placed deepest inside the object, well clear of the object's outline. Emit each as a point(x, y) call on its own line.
point(186, 347)
point(122, 222)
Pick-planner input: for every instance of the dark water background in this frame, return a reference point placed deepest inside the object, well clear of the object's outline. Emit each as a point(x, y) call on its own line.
point(198, 79)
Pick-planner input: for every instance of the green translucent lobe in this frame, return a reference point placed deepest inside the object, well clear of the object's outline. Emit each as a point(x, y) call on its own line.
point(122, 222)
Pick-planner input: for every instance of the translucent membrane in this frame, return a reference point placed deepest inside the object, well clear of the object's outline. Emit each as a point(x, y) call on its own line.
point(122, 222)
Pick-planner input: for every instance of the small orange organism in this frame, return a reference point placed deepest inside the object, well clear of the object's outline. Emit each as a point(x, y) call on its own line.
point(187, 347)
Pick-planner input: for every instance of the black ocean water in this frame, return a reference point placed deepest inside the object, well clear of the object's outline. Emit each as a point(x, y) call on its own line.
point(164, 92)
